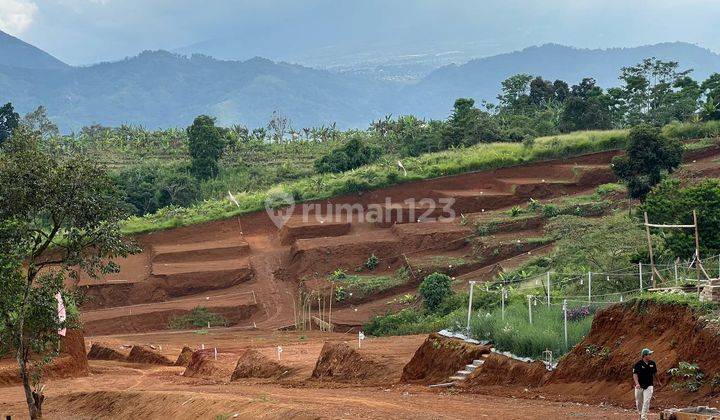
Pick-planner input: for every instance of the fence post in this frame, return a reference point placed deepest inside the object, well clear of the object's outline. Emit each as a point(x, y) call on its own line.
point(472, 286)
point(502, 307)
point(640, 275)
point(676, 274)
point(565, 316)
point(548, 289)
point(530, 308)
point(589, 286)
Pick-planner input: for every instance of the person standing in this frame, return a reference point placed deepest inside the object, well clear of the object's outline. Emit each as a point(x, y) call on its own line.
point(644, 376)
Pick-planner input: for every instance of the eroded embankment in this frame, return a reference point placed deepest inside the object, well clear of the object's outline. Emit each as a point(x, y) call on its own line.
point(440, 357)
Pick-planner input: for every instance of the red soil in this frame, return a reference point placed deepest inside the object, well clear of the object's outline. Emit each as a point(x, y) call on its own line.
point(501, 370)
point(338, 362)
point(184, 356)
point(100, 351)
point(71, 363)
point(148, 355)
point(440, 357)
point(202, 364)
point(253, 364)
point(159, 320)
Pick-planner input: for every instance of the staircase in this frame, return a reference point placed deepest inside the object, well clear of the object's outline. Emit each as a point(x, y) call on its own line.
point(462, 374)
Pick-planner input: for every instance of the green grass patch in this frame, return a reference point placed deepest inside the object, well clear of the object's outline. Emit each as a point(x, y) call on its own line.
point(200, 317)
point(355, 287)
point(689, 300)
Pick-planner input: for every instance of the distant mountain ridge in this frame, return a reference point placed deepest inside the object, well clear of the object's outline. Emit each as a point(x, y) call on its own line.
point(162, 89)
point(480, 78)
point(17, 53)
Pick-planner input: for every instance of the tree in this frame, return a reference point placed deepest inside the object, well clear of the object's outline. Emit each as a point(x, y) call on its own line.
point(207, 143)
point(468, 125)
point(648, 156)
point(39, 122)
point(353, 154)
point(586, 108)
point(59, 215)
point(655, 91)
point(711, 90)
point(9, 120)
point(670, 203)
point(434, 289)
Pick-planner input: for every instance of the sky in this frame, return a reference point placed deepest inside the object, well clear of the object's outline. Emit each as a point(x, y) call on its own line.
point(88, 31)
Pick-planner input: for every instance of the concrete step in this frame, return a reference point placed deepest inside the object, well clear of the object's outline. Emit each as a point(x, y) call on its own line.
point(471, 368)
point(478, 362)
point(464, 372)
point(457, 378)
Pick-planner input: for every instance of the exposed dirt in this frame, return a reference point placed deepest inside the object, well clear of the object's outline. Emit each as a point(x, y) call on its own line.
point(605, 357)
point(501, 370)
point(253, 364)
point(184, 356)
point(148, 355)
point(440, 357)
point(204, 364)
point(100, 351)
point(72, 361)
point(338, 362)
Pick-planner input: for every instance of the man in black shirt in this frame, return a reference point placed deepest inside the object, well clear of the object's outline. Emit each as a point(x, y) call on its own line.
point(644, 372)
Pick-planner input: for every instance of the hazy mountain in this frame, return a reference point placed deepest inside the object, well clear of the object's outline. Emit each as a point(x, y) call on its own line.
point(161, 89)
point(480, 78)
point(17, 53)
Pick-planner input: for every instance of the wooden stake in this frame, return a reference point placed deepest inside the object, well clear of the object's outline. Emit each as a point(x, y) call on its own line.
point(652, 258)
point(697, 252)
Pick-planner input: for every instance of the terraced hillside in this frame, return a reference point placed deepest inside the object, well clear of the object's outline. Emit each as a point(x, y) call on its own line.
point(251, 269)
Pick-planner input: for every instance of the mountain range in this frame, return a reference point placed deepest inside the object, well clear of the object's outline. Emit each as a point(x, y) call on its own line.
point(164, 89)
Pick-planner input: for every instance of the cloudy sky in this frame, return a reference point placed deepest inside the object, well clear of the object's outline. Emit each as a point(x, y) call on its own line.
point(88, 31)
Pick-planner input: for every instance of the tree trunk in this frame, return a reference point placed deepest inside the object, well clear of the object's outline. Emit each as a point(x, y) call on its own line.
point(34, 399)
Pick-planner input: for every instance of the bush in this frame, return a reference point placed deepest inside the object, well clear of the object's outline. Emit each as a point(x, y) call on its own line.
point(372, 262)
point(199, 317)
point(687, 375)
point(353, 154)
point(434, 289)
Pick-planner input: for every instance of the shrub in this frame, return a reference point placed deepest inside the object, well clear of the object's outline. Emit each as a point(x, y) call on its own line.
point(434, 289)
point(372, 262)
point(687, 375)
point(353, 154)
point(199, 317)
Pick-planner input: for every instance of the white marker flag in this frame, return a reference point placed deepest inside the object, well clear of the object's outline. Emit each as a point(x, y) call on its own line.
point(62, 314)
point(361, 336)
point(279, 351)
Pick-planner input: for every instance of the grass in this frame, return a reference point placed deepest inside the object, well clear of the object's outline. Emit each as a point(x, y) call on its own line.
point(357, 287)
point(385, 172)
point(382, 174)
point(200, 317)
point(516, 335)
point(674, 299)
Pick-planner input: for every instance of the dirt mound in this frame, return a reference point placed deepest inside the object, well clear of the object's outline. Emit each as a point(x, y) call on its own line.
point(440, 357)
point(599, 367)
point(502, 370)
point(202, 364)
point(338, 362)
point(147, 355)
point(71, 363)
point(253, 364)
point(99, 351)
point(184, 357)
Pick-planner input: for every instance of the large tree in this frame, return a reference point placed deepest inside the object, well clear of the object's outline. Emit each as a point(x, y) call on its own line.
point(648, 156)
point(59, 216)
point(586, 108)
point(206, 143)
point(9, 120)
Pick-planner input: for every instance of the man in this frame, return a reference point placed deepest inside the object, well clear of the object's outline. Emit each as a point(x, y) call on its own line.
point(644, 373)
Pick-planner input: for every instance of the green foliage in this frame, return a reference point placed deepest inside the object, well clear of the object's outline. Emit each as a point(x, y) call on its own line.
point(407, 321)
point(516, 335)
point(586, 108)
point(687, 375)
point(669, 203)
point(648, 156)
point(56, 211)
point(199, 317)
point(9, 120)
point(339, 274)
point(353, 154)
point(689, 300)
point(372, 262)
point(206, 143)
point(434, 289)
point(360, 287)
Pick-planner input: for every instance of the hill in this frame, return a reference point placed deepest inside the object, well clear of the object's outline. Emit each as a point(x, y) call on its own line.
point(161, 89)
point(480, 79)
point(17, 53)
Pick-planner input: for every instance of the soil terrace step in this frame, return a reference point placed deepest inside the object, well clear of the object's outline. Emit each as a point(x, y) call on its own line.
point(200, 251)
point(410, 213)
point(200, 267)
point(300, 228)
point(476, 200)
